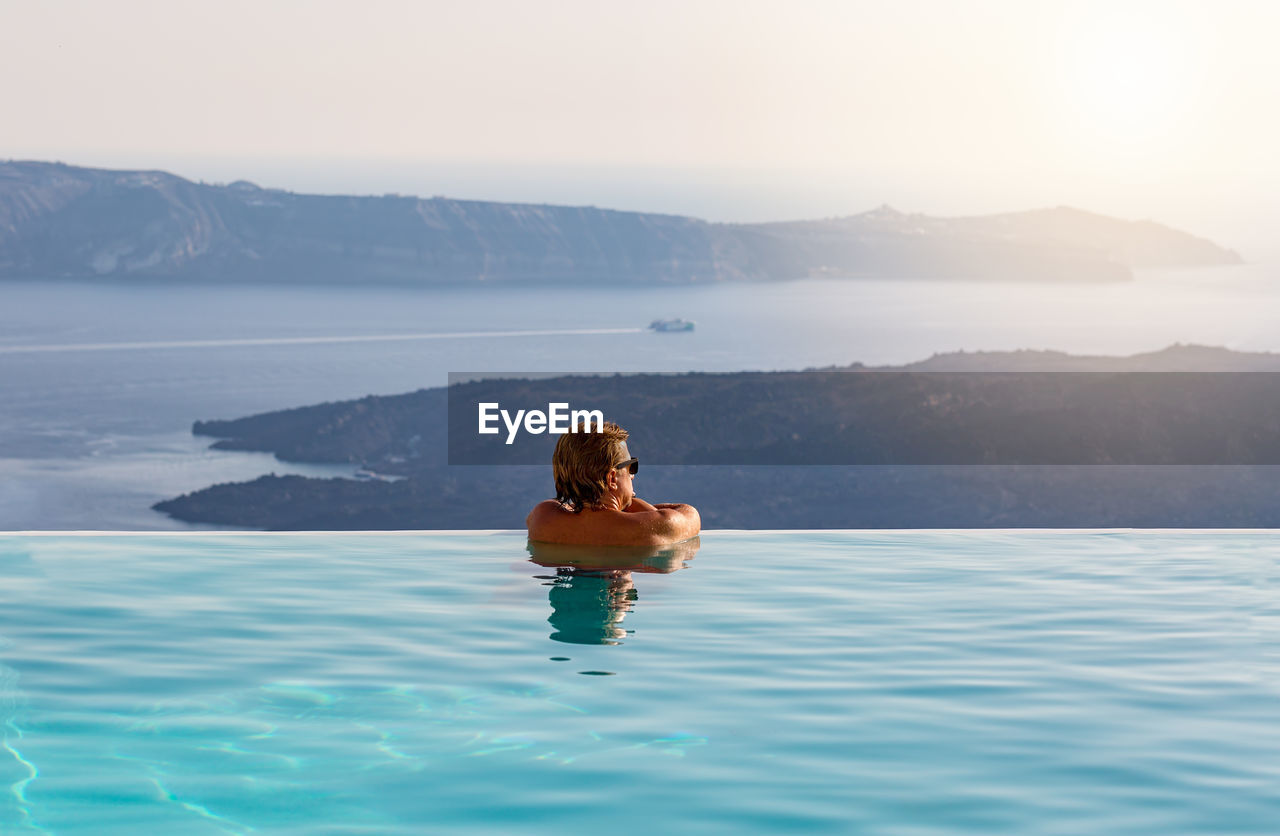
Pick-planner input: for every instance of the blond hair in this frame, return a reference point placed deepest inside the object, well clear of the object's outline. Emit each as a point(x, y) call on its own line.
point(582, 461)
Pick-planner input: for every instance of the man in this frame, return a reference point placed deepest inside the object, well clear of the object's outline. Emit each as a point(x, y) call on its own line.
point(596, 503)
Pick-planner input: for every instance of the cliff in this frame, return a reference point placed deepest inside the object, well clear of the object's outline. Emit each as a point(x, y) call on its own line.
point(59, 221)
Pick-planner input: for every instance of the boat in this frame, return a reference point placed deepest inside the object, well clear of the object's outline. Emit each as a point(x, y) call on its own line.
point(663, 325)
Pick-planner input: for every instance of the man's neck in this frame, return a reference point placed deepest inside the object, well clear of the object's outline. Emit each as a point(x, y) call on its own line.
point(608, 502)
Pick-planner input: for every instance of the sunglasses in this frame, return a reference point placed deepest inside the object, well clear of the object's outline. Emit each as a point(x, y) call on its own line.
point(632, 463)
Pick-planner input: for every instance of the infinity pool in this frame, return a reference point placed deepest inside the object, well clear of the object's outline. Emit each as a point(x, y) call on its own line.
point(868, 682)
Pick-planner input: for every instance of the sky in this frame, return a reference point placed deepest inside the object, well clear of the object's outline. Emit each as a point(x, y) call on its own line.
point(741, 110)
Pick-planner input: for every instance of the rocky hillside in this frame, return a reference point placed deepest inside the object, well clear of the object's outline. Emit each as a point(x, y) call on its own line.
point(59, 221)
point(1181, 405)
point(1143, 448)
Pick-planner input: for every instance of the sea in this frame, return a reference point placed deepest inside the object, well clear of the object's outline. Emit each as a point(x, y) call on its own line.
point(100, 382)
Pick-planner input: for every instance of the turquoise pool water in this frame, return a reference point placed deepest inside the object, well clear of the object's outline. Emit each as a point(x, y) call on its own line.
point(869, 682)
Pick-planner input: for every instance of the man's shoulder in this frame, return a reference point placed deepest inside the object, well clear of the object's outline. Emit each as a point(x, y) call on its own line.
point(551, 521)
point(545, 512)
point(550, 506)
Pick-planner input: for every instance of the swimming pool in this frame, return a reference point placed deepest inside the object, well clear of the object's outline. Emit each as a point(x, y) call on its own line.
point(913, 682)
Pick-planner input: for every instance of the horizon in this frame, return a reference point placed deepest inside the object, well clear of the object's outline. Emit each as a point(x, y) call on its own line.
point(729, 112)
point(710, 199)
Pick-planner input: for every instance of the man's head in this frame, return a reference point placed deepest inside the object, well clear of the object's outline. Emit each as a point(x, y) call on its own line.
point(585, 466)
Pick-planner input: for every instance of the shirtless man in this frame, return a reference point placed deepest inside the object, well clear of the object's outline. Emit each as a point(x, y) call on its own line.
point(596, 504)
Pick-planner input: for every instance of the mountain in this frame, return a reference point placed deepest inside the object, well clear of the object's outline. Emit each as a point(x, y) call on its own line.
point(60, 221)
point(1127, 441)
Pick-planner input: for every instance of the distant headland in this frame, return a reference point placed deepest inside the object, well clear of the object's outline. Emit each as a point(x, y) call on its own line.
point(61, 221)
point(783, 417)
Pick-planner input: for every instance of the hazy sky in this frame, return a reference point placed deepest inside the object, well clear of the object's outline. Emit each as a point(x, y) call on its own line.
point(728, 110)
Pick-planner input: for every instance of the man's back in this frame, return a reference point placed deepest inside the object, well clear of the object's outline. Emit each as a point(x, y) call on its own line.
point(641, 524)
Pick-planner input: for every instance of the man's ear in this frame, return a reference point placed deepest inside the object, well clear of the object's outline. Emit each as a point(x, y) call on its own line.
point(611, 479)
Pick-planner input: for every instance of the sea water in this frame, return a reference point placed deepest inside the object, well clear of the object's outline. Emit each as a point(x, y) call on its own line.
point(901, 683)
point(100, 383)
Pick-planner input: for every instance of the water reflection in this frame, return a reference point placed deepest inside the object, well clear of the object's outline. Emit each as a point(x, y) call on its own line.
point(592, 590)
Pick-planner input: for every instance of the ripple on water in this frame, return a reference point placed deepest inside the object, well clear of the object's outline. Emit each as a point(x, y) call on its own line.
point(880, 682)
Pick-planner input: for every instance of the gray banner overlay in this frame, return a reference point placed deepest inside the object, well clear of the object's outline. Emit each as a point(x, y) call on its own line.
point(864, 417)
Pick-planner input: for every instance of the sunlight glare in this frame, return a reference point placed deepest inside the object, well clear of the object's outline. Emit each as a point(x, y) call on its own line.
point(1127, 80)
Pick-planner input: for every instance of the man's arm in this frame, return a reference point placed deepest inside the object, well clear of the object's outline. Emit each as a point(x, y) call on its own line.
point(677, 521)
point(666, 521)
